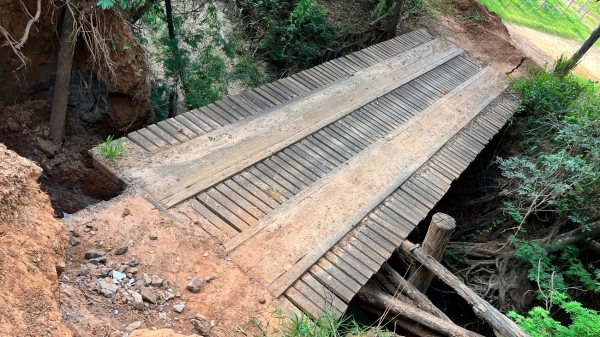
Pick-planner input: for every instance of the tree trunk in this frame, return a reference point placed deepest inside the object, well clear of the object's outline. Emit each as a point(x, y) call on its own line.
point(434, 244)
point(58, 112)
point(391, 33)
point(397, 321)
point(372, 296)
point(566, 67)
point(501, 324)
point(404, 287)
point(574, 237)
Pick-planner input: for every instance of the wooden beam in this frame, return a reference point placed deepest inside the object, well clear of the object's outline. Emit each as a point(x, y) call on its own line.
point(436, 239)
point(501, 324)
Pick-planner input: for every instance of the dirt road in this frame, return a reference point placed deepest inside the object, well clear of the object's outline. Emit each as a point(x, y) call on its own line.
point(546, 48)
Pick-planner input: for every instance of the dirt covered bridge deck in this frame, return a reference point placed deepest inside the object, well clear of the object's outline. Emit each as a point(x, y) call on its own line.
point(312, 181)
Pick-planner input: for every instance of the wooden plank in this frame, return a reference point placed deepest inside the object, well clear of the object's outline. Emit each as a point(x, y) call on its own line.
point(211, 115)
point(321, 164)
point(152, 137)
point(341, 141)
point(198, 122)
point(217, 208)
point(299, 83)
point(334, 131)
point(263, 205)
point(379, 239)
point(319, 147)
point(258, 101)
point(305, 81)
point(310, 163)
point(344, 257)
point(241, 202)
point(373, 255)
point(380, 111)
point(276, 192)
point(416, 193)
point(305, 178)
point(282, 89)
point(384, 232)
point(181, 128)
point(142, 141)
point(228, 105)
point(206, 119)
point(301, 165)
point(303, 303)
point(395, 213)
point(270, 95)
point(230, 117)
point(332, 283)
point(330, 298)
point(246, 104)
point(280, 185)
point(370, 128)
point(310, 74)
point(188, 124)
point(338, 275)
point(374, 245)
point(359, 129)
point(213, 219)
point(413, 204)
point(268, 198)
point(315, 73)
point(357, 254)
point(282, 176)
point(343, 129)
point(400, 230)
point(162, 134)
point(172, 131)
point(325, 302)
point(355, 274)
point(291, 86)
point(318, 154)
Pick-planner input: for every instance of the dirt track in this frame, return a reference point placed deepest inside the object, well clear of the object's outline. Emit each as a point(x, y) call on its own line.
point(545, 48)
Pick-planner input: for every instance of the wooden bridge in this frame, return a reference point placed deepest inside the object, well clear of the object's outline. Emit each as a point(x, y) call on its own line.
point(313, 180)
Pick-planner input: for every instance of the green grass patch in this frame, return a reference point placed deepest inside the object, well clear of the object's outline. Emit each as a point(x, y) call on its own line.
point(326, 325)
point(111, 149)
point(553, 17)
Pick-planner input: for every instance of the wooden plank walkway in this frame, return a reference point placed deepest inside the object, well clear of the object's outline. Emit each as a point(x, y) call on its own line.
point(312, 181)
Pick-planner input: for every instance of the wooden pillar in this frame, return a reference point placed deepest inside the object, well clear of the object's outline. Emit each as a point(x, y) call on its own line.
point(436, 239)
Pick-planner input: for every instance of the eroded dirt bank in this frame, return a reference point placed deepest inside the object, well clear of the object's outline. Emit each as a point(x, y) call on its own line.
point(32, 250)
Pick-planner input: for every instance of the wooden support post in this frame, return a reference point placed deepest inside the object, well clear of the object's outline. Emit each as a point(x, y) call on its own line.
point(438, 235)
point(501, 324)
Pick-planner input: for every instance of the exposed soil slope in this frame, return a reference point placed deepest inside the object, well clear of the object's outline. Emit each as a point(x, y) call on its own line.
point(32, 246)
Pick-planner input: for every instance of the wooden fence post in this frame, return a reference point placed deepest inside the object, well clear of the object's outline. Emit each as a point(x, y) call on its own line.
point(436, 239)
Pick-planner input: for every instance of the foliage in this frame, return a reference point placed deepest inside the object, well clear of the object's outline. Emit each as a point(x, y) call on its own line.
point(539, 323)
point(559, 271)
point(552, 17)
point(111, 149)
point(297, 33)
point(123, 4)
point(202, 60)
point(325, 325)
point(559, 170)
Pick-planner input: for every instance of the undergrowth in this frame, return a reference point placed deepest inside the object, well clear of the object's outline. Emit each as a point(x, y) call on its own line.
point(325, 325)
point(555, 181)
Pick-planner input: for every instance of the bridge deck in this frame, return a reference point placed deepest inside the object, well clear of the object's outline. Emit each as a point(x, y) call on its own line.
point(312, 181)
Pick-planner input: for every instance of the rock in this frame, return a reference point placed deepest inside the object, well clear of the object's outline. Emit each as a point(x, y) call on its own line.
point(91, 266)
point(132, 270)
point(94, 253)
point(75, 241)
point(108, 285)
point(147, 280)
point(179, 307)
point(168, 295)
point(76, 232)
point(83, 271)
point(261, 300)
point(92, 232)
point(138, 301)
point(47, 146)
point(153, 236)
point(104, 271)
point(207, 279)
point(133, 326)
point(149, 294)
point(126, 212)
point(121, 250)
point(115, 333)
point(107, 293)
point(98, 260)
point(201, 325)
point(155, 280)
point(129, 276)
point(132, 263)
point(195, 285)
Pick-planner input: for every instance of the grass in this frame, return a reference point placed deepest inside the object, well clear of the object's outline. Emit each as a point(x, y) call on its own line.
point(548, 18)
point(326, 325)
point(111, 149)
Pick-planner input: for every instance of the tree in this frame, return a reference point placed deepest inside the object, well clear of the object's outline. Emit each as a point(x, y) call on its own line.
point(563, 68)
point(396, 18)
